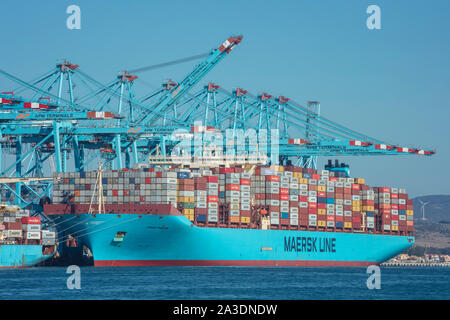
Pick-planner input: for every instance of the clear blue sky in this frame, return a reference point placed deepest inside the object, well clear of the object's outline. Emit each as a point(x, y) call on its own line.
point(392, 84)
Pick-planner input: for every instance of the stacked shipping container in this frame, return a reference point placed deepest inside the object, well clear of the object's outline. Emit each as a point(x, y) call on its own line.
point(17, 227)
point(291, 197)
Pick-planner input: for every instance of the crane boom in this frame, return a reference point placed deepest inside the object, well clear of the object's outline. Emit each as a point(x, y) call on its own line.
point(175, 93)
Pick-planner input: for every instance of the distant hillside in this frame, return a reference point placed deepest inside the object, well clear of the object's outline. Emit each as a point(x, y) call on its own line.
point(433, 234)
point(437, 210)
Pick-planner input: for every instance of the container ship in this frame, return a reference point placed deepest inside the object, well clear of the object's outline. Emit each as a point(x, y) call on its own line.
point(23, 243)
point(239, 215)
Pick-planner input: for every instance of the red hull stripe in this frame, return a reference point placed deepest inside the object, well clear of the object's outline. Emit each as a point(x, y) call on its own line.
point(229, 263)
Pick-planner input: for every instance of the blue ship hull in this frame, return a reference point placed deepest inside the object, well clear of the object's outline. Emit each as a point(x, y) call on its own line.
point(166, 240)
point(20, 256)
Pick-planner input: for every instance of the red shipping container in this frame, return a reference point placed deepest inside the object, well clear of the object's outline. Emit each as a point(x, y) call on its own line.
point(272, 196)
point(356, 220)
point(312, 210)
point(394, 206)
point(293, 203)
point(394, 217)
point(260, 196)
point(31, 220)
point(330, 218)
point(148, 180)
point(126, 192)
point(200, 180)
point(159, 174)
point(303, 199)
point(212, 179)
point(356, 225)
point(303, 211)
point(384, 190)
point(394, 196)
point(284, 197)
point(339, 218)
point(12, 225)
point(246, 213)
point(312, 205)
point(115, 193)
point(245, 182)
point(333, 179)
point(312, 187)
point(315, 177)
point(401, 207)
point(226, 170)
point(273, 178)
point(321, 194)
point(321, 205)
point(238, 169)
point(356, 214)
point(355, 186)
point(213, 199)
point(284, 191)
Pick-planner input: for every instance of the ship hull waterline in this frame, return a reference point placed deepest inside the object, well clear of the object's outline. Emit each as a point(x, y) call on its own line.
point(173, 240)
point(21, 256)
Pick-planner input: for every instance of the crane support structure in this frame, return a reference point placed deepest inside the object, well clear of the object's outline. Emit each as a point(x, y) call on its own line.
point(65, 120)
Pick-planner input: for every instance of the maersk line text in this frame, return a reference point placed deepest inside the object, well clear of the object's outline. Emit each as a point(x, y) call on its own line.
point(309, 244)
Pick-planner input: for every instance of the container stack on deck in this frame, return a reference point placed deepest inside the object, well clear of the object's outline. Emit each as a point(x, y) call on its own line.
point(291, 197)
point(17, 227)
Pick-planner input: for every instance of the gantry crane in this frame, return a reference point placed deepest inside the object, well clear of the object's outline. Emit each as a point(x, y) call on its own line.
point(65, 113)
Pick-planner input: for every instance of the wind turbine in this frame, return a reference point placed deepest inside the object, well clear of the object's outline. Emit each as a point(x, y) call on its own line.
point(423, 204)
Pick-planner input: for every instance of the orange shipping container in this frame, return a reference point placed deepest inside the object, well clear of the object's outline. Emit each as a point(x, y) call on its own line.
point(234, 219)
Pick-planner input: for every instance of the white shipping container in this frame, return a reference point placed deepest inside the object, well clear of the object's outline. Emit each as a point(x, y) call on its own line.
point(33, 235)
point(213, 218)
point(14, 233)
point(274, 214)
point(31, 227)
point(235, 213)
point(303, 204)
